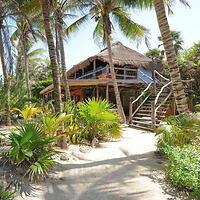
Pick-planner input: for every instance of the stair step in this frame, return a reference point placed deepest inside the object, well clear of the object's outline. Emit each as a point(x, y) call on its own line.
point(143, 115)
point(142, 118)
point(145, 123)
point(139, 127)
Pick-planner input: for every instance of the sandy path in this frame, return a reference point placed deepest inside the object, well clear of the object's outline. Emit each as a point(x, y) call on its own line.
point(121, 170)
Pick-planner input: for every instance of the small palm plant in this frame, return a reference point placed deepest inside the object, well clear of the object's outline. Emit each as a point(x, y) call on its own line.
point(28, 112)
point(29, 150)
point(99, 119)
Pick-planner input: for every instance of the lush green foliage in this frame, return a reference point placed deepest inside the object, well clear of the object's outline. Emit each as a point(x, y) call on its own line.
point(180, 130)
point(29, 150)
point(99, 119)
point(184, 166)
point(6, 195)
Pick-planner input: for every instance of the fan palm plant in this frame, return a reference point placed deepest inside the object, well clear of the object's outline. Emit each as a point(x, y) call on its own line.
point(175, 76)
point(108, 13)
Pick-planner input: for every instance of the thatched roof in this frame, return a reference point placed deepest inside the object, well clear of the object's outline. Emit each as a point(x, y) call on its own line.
point(121, 56)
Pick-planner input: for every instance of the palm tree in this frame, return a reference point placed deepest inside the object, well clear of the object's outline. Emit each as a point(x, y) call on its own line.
point(3, 16)
point(177, 41)
point(52, 54)
point(107, 13)
point(174, 72)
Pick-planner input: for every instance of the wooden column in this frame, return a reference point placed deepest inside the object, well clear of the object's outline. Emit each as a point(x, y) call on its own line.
point(82, 71)
point(130, 111)
point(107, 71)
point(124, 73)
point(107, 92)
point(97, 87)
point(94, 69)
point(153, 117)
point(154, 81)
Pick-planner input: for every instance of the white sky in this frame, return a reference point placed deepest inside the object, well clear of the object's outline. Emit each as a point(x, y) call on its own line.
point(186, 20)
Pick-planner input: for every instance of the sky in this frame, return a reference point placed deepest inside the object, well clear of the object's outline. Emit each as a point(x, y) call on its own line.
point(186, 20)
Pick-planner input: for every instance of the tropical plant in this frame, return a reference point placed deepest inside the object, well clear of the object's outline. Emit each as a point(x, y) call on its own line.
point(98, 120)
point(6, 194)
point(52, 123)
point(28, 112)
point(106, 14)
point(179, 130)
point(177, 85)
point(29, 150)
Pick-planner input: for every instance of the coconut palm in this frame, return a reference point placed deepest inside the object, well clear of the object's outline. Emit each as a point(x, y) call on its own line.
point(107, 13)
point(4, 13)
point(174, 72)
point(52, 54)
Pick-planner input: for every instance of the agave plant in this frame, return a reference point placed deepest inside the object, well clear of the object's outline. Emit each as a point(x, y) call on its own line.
point(28, 112)
point(29, 150)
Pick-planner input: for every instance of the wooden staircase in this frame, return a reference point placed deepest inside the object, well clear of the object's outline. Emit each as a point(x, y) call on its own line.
point(147, 113)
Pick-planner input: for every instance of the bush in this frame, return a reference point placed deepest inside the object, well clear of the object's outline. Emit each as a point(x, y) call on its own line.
point(5, 194)
point(184, 166)
point(29, 150)
point(99, 120)
point(179, 130)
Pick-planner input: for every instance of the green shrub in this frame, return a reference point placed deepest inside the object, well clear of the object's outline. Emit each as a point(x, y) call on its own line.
point(179, 130)
point(99, 120)
point(5, 194)
point(184, 166)
point(29, 150)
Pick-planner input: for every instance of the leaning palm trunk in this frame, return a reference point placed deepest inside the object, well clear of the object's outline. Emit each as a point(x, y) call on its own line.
point(26, 69)
point(177, 85)
point(115, 86)
point(52, 55)
point(62, 52)
point(6, 82)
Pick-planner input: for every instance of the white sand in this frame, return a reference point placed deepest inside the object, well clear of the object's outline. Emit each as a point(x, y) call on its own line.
point(121, 170)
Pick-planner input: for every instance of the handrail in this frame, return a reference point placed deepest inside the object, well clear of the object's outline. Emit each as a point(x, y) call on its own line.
point(161, 76)
point(92, 73)
point(162, 103)
point(142, 93)
point(143, 74)
point(158, 95)
point(141, 105)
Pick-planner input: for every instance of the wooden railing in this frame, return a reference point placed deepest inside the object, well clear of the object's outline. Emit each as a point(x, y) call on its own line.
point(121, 73)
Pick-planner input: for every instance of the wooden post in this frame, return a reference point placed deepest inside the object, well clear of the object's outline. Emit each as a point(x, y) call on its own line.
point(94, 69)
point(107, 92)
point(153, 117)
point(82, 71)
point(130, 110)
point(107, 71)
point(124, 73)
point(154, 81)
point(97, 87)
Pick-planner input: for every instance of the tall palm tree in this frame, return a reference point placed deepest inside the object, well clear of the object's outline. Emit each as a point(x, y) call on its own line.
point(52, 54)
point(4, 13)
point(174, 72)
point(107, 13)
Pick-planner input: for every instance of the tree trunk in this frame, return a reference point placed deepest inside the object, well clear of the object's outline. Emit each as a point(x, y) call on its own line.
point(52, 55)
point(26, 69)
point(115, 86)
point(6, 82)
point(175, 76)
point(62, 52)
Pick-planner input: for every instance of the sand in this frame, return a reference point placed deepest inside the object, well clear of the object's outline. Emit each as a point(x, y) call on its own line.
point(126, 169)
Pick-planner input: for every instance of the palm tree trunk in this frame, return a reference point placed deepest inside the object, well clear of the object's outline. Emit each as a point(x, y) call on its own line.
point(52, 55)
point(115, 86)
point(62, 52)
point(175, 76)
point(26, 69)
point(6, 82)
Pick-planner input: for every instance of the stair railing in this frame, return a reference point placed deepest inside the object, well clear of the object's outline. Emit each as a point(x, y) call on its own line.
point(154, 108)
point(131, 113)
